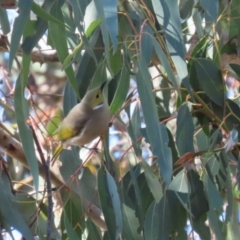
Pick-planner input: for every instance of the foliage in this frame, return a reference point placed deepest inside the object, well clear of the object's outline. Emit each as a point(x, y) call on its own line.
point(171, 158)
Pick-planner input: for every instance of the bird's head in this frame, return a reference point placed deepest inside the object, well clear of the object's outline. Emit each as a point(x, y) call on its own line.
point(95, 96)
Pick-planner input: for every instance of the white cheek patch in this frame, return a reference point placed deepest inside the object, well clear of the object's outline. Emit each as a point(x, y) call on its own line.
point(98, 106)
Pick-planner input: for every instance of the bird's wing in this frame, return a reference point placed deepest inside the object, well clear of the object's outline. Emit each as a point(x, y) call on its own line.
point(67, 132)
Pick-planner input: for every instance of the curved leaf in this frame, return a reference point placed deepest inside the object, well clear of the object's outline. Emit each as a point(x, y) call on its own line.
point(157, 221)
point(58, 36)
point(5, 26)
point(18, 28)
point(210, 79)
point(185, 130)
point(110, 203)
point(157, 134)
point(153, 182)
point(22, 114)
point(9, 211)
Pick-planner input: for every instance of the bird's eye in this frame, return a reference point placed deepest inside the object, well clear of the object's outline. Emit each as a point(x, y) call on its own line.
point(97, 96)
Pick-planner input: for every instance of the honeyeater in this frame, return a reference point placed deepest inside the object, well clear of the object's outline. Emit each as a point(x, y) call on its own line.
point(86, 121)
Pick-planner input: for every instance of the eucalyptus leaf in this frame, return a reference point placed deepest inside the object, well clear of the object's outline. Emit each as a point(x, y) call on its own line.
point(58, 36)
point(110, 203)
point(157, 133)
point(185, 129)
point(210, 79)
point(18, 28)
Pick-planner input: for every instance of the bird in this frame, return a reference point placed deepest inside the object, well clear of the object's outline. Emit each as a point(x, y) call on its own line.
point(86, 121)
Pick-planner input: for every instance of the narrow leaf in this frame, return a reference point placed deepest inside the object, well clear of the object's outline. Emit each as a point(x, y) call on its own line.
point(71, 233)
point(111, 16)
point(152, 181)
point(130, 221)
point(121, 92)
point(210, 79)
point(76, 52)
point(58, 36)
point(157, 221)
point(167, 14)
point(22, 114)
point(40, 29)
point(157, 134)
point(8, 210)
point(214, 197)
point(18, 28)
point(110, 203)
point(185, 130)
point(5, 26)
point(40, 12)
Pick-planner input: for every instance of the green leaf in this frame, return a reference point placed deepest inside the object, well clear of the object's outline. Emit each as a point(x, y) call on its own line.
point(58, 36)
point(157, 134)
point(5, 26)
point(100, 9)
point(77, 51)
point(22, 114)
point(210, 79)
point(130, 221)
point(214, 198)
point(165, 63)
point(134, 130)
point(167, 14)
point(157, 221)
point(185, 130)
point(40, 29)
point(71, 233)
point(213, 164)
point(99, 75)
point(234, 16)
point(121, 92)
point(138, 192)
point(152, 181)
point(185, 9)
point(179, 183)
point(197, 198)
point(54, 122)
point(115, 61)
point(202, 140)
point(9, 213)
point(42, 13)
point(73, 217)
point(69, 99)
point(87, 66)
point(18, 28)
point(26, 206)
point(146, 43)
point(210, 12)
point(110, 203)
point(68, 168)
point(111, 16)
point(178, 217)
point(93, 231)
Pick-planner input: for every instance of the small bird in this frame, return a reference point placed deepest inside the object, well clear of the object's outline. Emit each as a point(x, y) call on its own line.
point(86, 121)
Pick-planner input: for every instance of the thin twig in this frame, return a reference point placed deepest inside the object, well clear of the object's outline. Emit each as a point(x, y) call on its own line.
point(48, 182)
point(50, 202)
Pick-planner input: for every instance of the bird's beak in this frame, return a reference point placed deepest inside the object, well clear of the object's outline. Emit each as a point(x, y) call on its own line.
point(102, 86)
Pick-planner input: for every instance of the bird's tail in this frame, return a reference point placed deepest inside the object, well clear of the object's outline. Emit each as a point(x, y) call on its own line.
point(56, 153)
